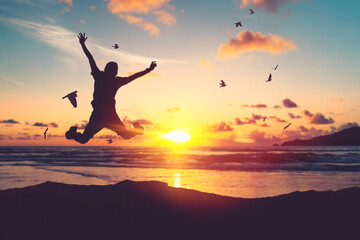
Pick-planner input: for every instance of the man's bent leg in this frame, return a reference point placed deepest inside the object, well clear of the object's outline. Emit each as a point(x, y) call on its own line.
point(93, 127)
point(117, 126)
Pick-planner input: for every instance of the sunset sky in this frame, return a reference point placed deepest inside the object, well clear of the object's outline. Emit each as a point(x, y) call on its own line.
point(196, 44)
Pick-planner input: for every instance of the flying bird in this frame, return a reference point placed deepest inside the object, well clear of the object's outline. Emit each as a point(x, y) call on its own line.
point(276, 67)
point(238, 24)
point(116, 46)
point(287, 126)
point(270, 78)
point(251, 11)
point(222, 84)
point(72, 97)
point(45, 133)
point(110, 141)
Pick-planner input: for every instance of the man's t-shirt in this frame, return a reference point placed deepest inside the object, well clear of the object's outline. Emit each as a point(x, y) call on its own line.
point(105, 89)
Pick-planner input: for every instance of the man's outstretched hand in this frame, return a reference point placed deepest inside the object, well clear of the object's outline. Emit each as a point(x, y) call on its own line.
point(82, 38)
point(152, 65)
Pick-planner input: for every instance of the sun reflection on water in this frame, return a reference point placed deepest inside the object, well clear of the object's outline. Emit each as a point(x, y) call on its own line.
point(177, 180)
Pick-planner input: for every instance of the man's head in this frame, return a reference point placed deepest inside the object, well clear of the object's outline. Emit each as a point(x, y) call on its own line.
point(111, 69)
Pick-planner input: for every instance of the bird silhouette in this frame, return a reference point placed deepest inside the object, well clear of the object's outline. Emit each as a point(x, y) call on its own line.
point(276, 67)
point(287, 126)
point(270, 78)
point(110, 141)
point(222, 84)
point(72, 97)
point(116, 46)
point(45, 133)
point(251, 11)
point(238, 24)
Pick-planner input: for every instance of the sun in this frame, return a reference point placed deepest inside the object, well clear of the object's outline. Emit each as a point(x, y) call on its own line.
point(177, 136)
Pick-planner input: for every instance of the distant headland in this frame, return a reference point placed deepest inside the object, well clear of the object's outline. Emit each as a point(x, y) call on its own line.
point(346, 137)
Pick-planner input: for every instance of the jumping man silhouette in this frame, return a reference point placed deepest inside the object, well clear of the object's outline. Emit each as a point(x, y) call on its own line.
point(104, 114)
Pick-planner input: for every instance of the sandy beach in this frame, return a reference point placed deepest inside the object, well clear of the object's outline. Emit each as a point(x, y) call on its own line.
point(153, 210)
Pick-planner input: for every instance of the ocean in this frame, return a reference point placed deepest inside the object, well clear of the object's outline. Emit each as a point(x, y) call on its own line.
point(249, 172)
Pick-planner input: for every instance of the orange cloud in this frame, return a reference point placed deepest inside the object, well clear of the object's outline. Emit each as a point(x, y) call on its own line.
point(165, 17)
point(126, 9)
point(138, 21)
point(270, 6)
point(219, 127)
point(135, 6)
point(92, 7)
point(254, 41)
point(82, 21)
point(68, 2)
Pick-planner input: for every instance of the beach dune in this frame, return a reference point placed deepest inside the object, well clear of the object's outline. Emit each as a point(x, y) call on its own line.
point(153, 210)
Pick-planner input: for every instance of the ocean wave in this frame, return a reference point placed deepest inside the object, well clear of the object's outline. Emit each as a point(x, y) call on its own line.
point(225, 158)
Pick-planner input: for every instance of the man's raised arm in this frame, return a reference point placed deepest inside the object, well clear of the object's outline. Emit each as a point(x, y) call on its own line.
point(139, 74)
point(82, 40)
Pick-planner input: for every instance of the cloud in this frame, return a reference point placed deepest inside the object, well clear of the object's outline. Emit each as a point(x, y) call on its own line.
point(24, 138)
point(240, 122)
point(293, 116)
point(68, 2)
point(140, 22)
point(261, 138)
point(220, 127)
point(317, 118)
point(53, 136)
point(108, 136)
point(174, 109)
point(307, 113)
point(11, 80)
point(289, 104)
point(23, 134)
point(302, 132)
point(253, 41)
point(257, 117)
point(82, 21)
point(2, 137)
point(276, 106)
point(66, 41)
point(140, 121)
point(260, 105)
point(303, 129)
point(165, 17)
point(270, 6)
point(277, 119)
point(66, 9)
point(206, 64)
point(248, 120)
point(54, 125)
point(82, 125)
point(9, 121)
point(126, 9)
point(347, 125)
point(40, 124)
point(92, 7)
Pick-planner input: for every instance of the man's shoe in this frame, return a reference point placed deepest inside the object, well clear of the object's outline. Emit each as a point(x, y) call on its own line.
point(71, 133)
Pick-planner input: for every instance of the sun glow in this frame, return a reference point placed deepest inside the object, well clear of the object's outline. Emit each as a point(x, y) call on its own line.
point(177, 136)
